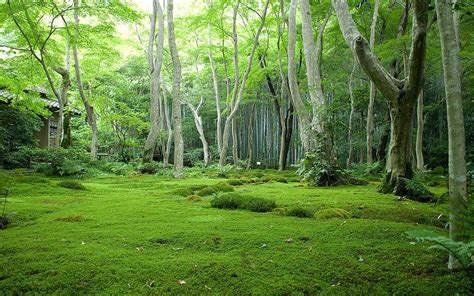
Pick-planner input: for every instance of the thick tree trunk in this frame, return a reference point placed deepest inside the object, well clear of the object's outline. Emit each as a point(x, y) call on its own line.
point(176, 103)
point(91, 118)
point(447, 22)
point(238, 90)
point(373, 91)
point(420, 162)
point(402, 94)
point(351, 115)
point(384, 138)
point(304, 120)
point(155, 62)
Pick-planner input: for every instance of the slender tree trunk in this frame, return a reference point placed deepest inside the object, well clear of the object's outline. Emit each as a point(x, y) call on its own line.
point(250, 137)
point(178, 137)
point(351, 115)
point(235, 142)
point(200, 129)
point(447, 22)
point(166, 153)
point(420, 163)
point(304, 121)
point(216, 93)
point(238, 90)
point(91, 117)
point(155, 62)
point(373, 90)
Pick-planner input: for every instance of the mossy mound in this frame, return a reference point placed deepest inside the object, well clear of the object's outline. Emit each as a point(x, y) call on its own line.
point(235, 182)
point(231, 201)
point(300, 212)
point(71, 218)
point(259, 205)
point(194, 198)
point(332, 213)
point(71, 184)
point(219, 187)
point(281, 180)
point(183, 191)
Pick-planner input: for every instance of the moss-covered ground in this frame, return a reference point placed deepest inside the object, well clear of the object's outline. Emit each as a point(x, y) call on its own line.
point(135, 235)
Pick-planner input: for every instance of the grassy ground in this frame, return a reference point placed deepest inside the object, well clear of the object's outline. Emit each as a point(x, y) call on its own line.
point(133, 235)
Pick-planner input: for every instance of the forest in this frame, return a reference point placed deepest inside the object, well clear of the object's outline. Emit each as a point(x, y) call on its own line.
point(236, 147)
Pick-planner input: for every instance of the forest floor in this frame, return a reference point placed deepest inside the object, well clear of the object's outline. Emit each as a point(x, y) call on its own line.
point(136, 235)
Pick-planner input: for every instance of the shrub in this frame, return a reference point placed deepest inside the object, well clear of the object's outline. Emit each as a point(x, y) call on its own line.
point(439, 170)
point(71, 184)
point(413, 190)
point(230, 201)
point(300, 212)
point(317, 170)
point(332, 213)
point(63, 162)
point(258, 204)
point(194, 198)
point(235, 182)
point(183, 192)
point(118, 168)
point(193, 157)
point(149, 168)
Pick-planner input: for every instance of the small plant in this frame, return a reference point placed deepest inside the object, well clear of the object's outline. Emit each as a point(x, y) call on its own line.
point(462, 251)
point(71, 184)
point(413, 190)
point(149, 168)
point(231, 201)
point(332, 213)
point(258, 204)
point(300, 212)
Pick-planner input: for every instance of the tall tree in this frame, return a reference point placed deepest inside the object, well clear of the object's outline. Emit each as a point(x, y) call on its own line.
point(91, 116)
point(420, 123)
point(155, 61)
point(239, 88)
point(450, 47)
point(373, 91)
point(402, 94)
point(178, 137)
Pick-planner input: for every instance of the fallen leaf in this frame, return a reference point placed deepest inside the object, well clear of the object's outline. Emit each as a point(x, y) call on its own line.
point(181, 282)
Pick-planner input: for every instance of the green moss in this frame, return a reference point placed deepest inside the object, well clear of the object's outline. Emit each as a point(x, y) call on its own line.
point(300, 212)
point(258, 204)
point(183, 191)
point(235, 182)
point(206, 191)
point(194, 198)
point(332, 213)
point(223, 187)
point(281, 180)
point(71, 184)
point(71, 218)
point(230, 201)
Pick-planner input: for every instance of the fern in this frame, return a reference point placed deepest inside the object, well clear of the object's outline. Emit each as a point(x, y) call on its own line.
point(462, 251)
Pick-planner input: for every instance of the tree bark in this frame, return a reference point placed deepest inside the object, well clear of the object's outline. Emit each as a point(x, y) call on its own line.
point(216, 93)
point(176, 103)
point(304, 120)
point(450, 48)
point(91, 117)
point(200, 130)
point(351, 115)
point(238, 90)
point(155, 62)
point(420, 163)
point(402, 94)
point(373, 91)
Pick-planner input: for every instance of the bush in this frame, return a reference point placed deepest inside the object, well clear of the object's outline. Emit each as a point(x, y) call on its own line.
point(332, 213)
point(149, 168)
point(413, 190)
point(230, 201)
point(117, 168)
point(258, 204)
point(439, 170)
point(300, 212)
point(60, 161)
point(71, 184)
point(193, 157)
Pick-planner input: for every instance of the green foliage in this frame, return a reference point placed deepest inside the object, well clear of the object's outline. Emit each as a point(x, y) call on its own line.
point(439, 170)
point(413, 189)
point(72, 184)
point(235, 182)
point(235, 201)
point(332, 213)
point(193, 157)
point(300, 212)
point(183, 192)
point(194, 198)
point(150, 168)
point(461, 250)
point(118, 168)
point(317, 171)
point(209, 190)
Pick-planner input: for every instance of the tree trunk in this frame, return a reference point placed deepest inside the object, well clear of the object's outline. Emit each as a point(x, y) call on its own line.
point(91, 118)
point(238, 90)
point(384, 138)
point(235, 143)
point(155, 62)
point(450, 48)
point(250, 137)
point(373, 91)
point(402, 94)
point(178, 137)
point(200, 130)
point(304, 121)
point(351, 115)
point(420, 163)
point(216, 93)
